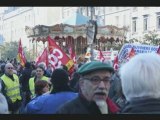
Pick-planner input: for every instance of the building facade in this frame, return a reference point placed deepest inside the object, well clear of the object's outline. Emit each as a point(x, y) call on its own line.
point(14, 19)
point(138, 20)
point(96, 13)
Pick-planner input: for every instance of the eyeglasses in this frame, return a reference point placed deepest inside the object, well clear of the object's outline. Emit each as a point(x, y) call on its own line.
point(10, 68)
point(38, 70)
point(96, 80)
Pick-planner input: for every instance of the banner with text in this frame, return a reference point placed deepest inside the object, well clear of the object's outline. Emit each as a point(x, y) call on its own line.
point(57, 56)
point(139, 48)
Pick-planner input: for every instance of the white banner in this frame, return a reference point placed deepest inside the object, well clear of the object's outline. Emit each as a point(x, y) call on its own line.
point(138, 49)
point(108, 55)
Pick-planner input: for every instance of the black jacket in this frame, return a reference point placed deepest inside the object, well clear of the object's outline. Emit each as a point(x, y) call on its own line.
point(79, 106)
point(142, 106)
point(24, 79)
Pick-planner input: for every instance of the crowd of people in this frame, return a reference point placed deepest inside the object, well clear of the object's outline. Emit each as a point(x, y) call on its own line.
point(93, 88)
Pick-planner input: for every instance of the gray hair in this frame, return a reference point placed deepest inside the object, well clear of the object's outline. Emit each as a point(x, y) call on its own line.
point(42, 64)
point(140, 76)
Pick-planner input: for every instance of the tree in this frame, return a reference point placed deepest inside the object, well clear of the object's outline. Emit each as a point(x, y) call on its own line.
point(10, 50)
point(151, 38)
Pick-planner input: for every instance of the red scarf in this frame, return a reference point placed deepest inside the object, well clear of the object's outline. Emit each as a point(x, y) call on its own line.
point(113, 108)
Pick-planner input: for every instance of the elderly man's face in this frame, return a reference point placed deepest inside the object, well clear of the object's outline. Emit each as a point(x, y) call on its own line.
point(95, 86)
point(9, 68)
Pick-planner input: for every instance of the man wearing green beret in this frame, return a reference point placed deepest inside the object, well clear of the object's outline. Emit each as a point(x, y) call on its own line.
point(94, 84)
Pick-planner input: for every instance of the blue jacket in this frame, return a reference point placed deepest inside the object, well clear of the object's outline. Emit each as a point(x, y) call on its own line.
point(48, 104)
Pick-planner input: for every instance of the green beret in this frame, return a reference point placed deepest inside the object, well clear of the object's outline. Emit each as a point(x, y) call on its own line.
point(94, 66)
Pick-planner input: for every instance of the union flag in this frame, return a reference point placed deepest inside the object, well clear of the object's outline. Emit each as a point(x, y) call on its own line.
point(21, 57)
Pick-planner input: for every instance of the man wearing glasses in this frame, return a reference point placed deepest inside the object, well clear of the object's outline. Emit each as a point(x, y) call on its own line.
point(94, 86)
point(11, 88)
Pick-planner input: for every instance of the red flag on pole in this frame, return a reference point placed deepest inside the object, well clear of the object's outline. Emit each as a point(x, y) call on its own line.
point(158, 51)
point(115, 63)
point(43, 57)
point(72, 54)
point(101, 57)
point(57, 56)
point(131, 53)
point(21, 56)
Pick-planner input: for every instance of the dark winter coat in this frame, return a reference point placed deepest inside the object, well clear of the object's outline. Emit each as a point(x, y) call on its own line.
point(81, 106)
point(142, 106)
point(24, 79)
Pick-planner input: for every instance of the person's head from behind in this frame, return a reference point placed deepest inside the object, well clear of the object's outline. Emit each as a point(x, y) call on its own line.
point(60, 80)
point(41, 87)
point(33, 73)
point(140, 77)
point(9, 69)
point(2, 67)
point(49, 66)
point(28, 65)
point(64, 67)
point(94, 80)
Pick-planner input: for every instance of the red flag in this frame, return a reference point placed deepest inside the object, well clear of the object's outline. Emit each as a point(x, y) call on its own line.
point(131, 53)
point(158, 51)
point(115, 63)
point(57, 56)
point(43, 57)
point(21, 55)
point(101, 57)
point(72, 54)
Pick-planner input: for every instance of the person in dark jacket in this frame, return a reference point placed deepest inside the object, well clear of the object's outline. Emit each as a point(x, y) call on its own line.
point(94, 86)
point(140, 84)
point(2, 69)
point(74, 82)
point(61, 93)
point(24, 80)
point(115, 92)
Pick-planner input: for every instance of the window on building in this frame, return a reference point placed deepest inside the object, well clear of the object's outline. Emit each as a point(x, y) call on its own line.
point(134, 24)
point(124, 20)
point(28, 17)
point(146, 8)
point(62, 15)
point(158, 21)
point(68, 13)
point(117, 8)
point(15, 32)
point(25, 18)
point(145, 23)
point(134, 8)
point(117, 21)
